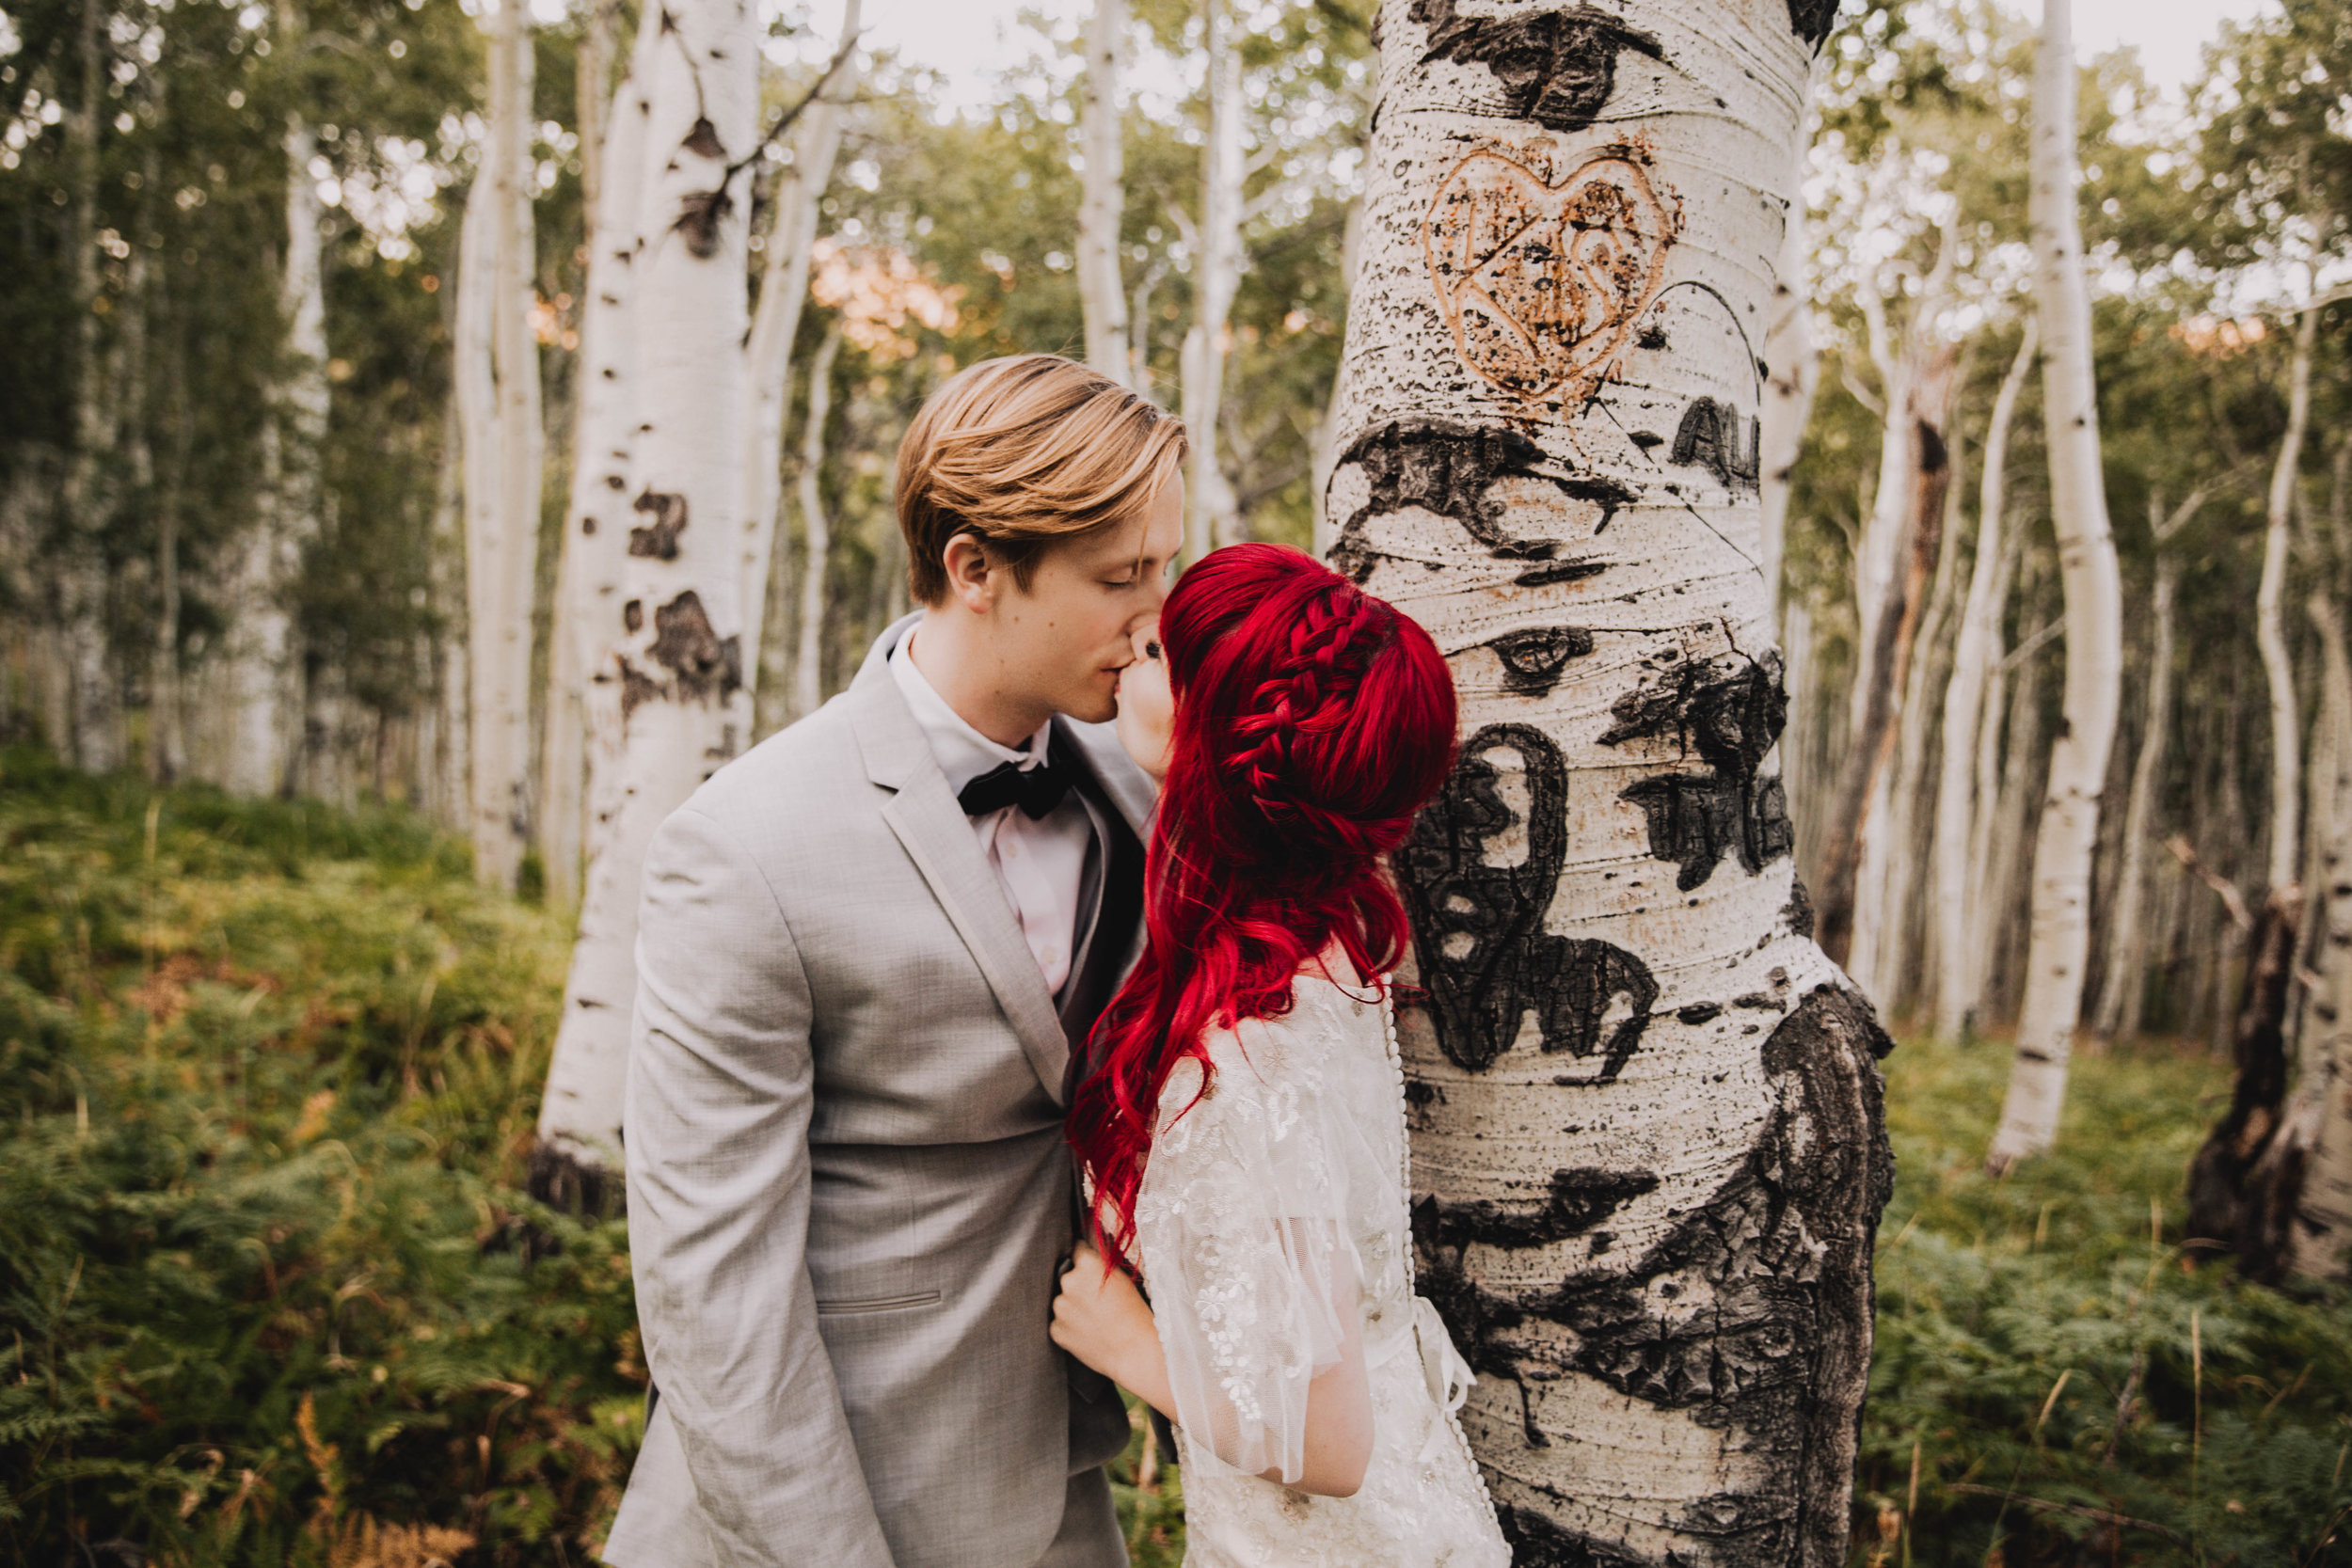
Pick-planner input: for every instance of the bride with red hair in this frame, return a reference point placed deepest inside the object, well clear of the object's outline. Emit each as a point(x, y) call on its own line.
point(1242, 1131)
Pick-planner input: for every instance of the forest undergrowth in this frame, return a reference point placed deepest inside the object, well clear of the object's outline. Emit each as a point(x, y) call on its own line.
point(272, 1291)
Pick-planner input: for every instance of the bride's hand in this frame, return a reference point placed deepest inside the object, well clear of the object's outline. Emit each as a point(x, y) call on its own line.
point(1102, 1320)
point(1147, 713)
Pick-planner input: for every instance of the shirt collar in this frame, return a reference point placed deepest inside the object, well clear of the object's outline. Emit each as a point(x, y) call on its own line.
point(962, 753)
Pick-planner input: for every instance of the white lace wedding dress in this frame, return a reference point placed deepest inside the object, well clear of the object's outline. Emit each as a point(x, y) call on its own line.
point(1262, 1208)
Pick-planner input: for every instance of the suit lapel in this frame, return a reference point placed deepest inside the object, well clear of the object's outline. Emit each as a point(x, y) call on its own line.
point(938, 838)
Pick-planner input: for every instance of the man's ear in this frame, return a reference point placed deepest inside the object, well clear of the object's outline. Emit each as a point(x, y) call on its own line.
point(972, 577)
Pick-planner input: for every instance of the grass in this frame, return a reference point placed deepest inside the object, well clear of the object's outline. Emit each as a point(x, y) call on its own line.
point(2064, 1386)
point(272, 1292)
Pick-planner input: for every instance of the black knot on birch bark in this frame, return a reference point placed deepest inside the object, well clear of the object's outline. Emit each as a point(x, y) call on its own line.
point(1478, 929)
point(1557, 68)
point(704, 139)
point(657, 539)
point(700, 213)
point(1811, 20)
point(702, 663)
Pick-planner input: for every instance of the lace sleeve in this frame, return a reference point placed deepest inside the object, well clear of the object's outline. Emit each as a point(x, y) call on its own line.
point(1253, 1277)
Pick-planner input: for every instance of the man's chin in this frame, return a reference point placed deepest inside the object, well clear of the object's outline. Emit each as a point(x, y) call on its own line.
point(1090, 708)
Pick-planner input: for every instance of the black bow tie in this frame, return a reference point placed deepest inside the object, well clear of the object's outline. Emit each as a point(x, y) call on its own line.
point(1035, 790)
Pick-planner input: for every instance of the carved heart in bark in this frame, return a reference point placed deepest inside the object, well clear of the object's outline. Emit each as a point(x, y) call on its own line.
point(1542, 283)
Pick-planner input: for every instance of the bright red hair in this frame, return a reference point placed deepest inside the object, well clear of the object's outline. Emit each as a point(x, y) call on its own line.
point(1312, 720)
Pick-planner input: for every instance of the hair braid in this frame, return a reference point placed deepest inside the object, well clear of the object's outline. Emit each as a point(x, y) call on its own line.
point(1293, 694)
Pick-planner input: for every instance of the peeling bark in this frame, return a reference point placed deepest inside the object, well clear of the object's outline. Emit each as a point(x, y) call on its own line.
point(1548, 457)
point(2061, 939)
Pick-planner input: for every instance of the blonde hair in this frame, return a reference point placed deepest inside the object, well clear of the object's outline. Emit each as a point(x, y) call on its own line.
point(1022, 453)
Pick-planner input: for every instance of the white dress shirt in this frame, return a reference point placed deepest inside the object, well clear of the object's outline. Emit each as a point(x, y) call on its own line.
point(1039, 862)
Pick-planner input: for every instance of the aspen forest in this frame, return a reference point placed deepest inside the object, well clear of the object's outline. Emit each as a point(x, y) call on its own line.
point(1879, 1044)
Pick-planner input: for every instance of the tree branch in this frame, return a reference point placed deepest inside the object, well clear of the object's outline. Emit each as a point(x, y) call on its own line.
point(2232, 899)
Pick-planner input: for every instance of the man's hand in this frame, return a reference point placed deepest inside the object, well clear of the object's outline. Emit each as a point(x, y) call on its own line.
point(1102, 1320)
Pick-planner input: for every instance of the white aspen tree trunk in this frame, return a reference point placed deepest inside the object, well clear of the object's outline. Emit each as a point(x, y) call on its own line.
point(90, 735)
point(2318, 1120)
point(2123, 974)
point(1893, 979)
point(1794, 364)
point(680, 652)
point(592, 97)
point(504, 457)
point(167, 747)
point(2000, 807)
point(1647, 1153)
point(2061, 939)
point(596, 516)
point(1327, 427)
point(1798, 738)
point(1101, 288)
point(1897, 550)
point(808, 663)
point(2286, 716)
point(1959, 794)
point(263, 664)
point(496, 710)
point(449, 799)
point(1215, 275)
point(776, 323)
point(582, 697)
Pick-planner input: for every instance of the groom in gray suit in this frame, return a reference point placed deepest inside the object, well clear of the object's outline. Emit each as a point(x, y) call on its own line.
point(868, 950)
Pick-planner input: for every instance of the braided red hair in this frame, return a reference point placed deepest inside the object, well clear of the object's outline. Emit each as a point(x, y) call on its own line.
point(1312, 720)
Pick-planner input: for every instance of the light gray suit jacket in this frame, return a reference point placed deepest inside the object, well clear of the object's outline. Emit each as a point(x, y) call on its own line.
point(847, 1181)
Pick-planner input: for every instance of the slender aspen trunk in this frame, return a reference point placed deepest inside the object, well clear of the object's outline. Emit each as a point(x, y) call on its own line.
point(1794, 363)
point(1910, 509)
point(2286, 716)
point(498, 641)
point(2236, 1195)
point(503, 488)
point(561, 817)
point(450, 800)
point(2314, 1152)
point(582, 700)
point(678, 645)
point(2061, 939)
point(262, 666)
point(1327, 427)
point(2014, 737)
point(1959, 795)
point(1215, 275)
point(597, 517)
point(1101, 290)
point(1893, 857)
point(1646, 1138)
point(90, 733)
point(808, 663)
point(784, 287)
point(167, 750)
point(2123, 980)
